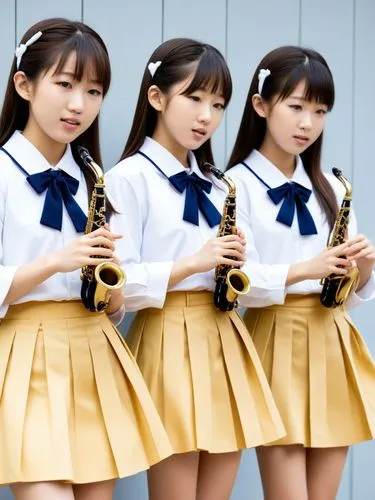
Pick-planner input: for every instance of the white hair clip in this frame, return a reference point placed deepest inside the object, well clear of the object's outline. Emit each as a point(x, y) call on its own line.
point(21, 49)
point(263, 73)
point(152, 67)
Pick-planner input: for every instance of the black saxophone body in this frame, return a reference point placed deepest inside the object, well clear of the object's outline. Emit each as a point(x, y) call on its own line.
point(337, 288)
point(98, 282)
point(230, 281)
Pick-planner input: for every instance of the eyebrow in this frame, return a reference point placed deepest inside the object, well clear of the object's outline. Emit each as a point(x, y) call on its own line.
point(68, 73)
point(299, 98)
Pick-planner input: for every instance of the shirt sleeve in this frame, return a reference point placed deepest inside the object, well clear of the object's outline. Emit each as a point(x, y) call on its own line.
point(6, 272)
point(267, 282)
point(146, 282)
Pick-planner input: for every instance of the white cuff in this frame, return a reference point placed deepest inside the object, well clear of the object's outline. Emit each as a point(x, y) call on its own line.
point(117, 316)
point(139, 296)
point(160, 273)
point(366, 293)
point(6, 279)
point(267, 284)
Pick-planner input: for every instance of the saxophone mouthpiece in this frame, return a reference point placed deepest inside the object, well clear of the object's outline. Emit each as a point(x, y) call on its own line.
point(85, 155)
point(336, 172)
point(218, 173)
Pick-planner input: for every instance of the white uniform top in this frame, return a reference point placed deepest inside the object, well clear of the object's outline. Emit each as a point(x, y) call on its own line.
point(155, 234)
point(23, 238)
point(272, 246)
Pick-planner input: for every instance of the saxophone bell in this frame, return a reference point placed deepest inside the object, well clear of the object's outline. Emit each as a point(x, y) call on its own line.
point(238, 284)
point(98, 282)
point(109, 277)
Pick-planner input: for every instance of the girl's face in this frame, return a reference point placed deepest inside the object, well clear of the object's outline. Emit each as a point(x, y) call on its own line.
point(61, 108)
point(187, 121)
point(294, 124)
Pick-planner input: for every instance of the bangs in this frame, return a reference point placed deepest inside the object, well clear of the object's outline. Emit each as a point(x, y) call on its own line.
point(319, 83)
point(212, 75)
point(92, 61)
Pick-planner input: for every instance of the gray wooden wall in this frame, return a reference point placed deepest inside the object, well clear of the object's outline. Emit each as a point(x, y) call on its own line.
point(244, 30)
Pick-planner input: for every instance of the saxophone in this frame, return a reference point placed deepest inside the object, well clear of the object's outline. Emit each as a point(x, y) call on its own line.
point(230, 281)
point(98, 282)
point(337, 288)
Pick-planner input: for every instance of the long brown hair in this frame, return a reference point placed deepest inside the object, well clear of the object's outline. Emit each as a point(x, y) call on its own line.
point(60, 37)
point(177, 56)
point(289, 65)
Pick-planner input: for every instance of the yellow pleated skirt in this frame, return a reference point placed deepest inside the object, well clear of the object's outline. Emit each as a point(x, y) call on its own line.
point(204, 375)
point(320, 371)
point(73, 404)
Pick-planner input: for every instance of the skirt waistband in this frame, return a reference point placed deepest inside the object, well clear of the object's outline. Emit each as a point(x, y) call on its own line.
point(49, 309)
point(194, 298)
point(297, 300)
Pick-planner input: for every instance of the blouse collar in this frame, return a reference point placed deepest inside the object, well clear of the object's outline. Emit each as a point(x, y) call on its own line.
point(272, 176)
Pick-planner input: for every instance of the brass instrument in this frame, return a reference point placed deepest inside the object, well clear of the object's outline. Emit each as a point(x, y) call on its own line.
point(98, 282)
point(337, 288)
point(230, 281)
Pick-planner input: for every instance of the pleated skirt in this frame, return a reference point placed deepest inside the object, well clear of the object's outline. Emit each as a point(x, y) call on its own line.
point(320, 371)
point(204, 375)
point(73, 404)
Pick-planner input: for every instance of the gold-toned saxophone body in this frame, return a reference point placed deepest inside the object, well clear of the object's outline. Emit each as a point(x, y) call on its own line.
point(230, 281)
point(98, 282)
point(337, 288)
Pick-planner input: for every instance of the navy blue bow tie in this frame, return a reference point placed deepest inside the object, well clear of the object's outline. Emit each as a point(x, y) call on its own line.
point(294, 195)
point(60, 188)
point(195, 198)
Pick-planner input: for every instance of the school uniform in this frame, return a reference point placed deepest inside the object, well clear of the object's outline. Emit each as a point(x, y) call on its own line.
point(199, 363)
point(73, 404)
point(320, 371)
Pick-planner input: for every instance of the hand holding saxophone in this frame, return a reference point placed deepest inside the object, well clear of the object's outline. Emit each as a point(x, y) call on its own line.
point(332, 260)
point(220, 251)
point(361, 250)
point(80, 252)
point(361, 253)
point(213, 253)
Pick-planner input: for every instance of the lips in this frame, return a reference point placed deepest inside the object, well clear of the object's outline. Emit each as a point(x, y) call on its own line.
point(71, 121)
point(301, 138)
point(200, 131)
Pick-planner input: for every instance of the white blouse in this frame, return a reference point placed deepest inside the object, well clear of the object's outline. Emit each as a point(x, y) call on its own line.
point(150, 212)
point(272, 246)
point(23, 238)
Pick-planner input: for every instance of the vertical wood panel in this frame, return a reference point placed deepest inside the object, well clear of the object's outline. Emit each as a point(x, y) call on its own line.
point(31, 11)
point(5, 494)
point(8, 42)
point(248, 485)
point(364, 112)
point(252, 32)
point(328, 28)
point(131, 30)
point(363, 480)
point(205, 21)
point(363, 189)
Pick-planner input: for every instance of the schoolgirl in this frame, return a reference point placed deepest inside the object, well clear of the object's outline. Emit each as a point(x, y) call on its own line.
point(199, 363)
point(320, 371)
point(74, 410)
